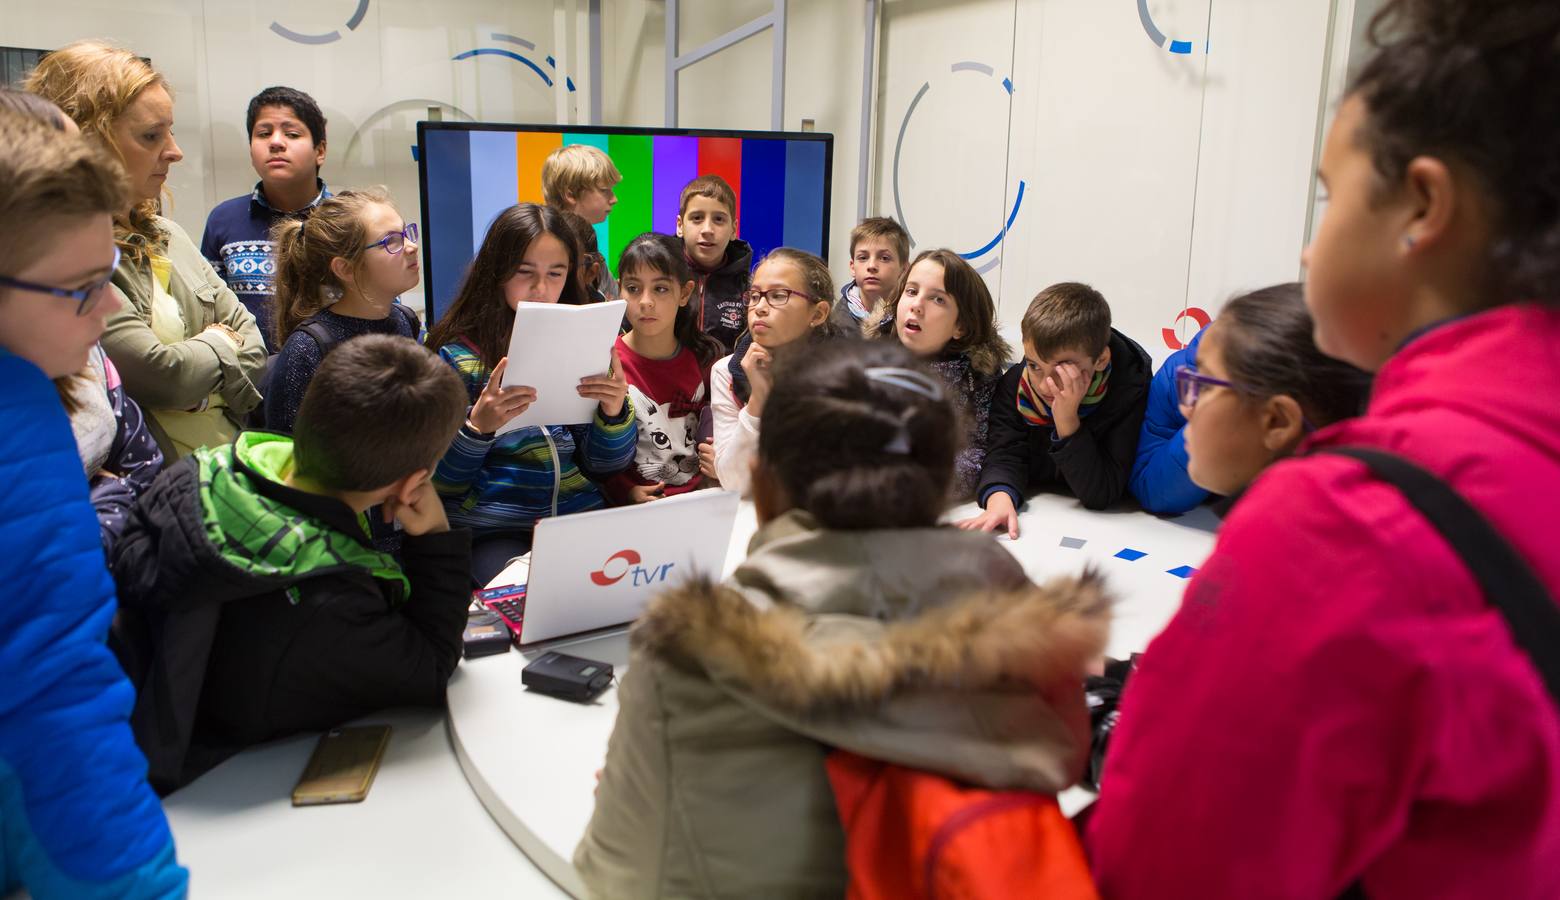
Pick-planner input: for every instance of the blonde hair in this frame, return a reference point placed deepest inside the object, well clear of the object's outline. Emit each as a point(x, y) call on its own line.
point(94, 82)
point(575, 169)
point(304, 248)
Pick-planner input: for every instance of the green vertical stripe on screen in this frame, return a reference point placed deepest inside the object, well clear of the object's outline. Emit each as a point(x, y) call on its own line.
point(633, 154)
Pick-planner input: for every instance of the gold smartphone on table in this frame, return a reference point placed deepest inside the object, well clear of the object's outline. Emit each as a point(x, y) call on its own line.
point(343, 766)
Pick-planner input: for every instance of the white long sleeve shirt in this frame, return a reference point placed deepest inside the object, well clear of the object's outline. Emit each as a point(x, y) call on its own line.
point(736, 431)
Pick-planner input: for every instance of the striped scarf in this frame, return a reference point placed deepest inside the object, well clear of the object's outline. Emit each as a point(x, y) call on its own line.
point(1036, 412)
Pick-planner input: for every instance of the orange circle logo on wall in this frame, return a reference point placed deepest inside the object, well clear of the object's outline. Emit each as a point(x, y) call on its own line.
point(1173, 340)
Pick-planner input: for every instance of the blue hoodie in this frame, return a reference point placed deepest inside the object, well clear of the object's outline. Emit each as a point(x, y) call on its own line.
point(77, 818)
point(1159, 479)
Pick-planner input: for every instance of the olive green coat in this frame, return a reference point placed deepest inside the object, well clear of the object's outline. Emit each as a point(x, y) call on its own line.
point(923, 647)
point(181, 376)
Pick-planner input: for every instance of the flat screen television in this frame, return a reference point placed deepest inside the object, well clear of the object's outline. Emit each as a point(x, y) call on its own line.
point(470, 172)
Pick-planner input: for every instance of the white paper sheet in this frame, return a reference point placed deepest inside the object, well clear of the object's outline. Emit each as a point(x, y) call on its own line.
point(551, 348)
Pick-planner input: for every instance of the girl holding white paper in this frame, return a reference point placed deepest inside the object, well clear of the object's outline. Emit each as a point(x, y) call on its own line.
point(499, 485)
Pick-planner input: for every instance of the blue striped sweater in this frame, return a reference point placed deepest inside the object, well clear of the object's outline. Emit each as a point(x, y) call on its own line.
point(508, 482)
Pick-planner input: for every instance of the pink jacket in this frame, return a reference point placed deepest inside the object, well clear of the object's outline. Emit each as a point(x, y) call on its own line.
point(1336, 698)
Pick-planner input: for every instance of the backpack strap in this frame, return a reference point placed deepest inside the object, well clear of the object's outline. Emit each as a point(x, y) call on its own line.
point(1507, 580)
point(409, 316)
point(322, 335)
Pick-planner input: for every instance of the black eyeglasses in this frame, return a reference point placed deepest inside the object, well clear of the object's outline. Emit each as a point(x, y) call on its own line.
point(1189, 384)
point(86, 298)
point(775, 297)
point(396, 241)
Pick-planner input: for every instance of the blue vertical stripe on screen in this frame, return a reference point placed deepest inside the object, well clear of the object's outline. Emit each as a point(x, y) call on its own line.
point(447, 219)
point(804, 210)
point(494, 181)
point(761, 220)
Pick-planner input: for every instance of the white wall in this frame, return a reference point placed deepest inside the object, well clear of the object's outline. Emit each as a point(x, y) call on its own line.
point(1167, 180)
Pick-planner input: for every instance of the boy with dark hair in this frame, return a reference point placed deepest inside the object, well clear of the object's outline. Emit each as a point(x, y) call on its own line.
point(722, 264)
point(253, 603)
point(287, 148)
point(1069, 414)
point(879, 252)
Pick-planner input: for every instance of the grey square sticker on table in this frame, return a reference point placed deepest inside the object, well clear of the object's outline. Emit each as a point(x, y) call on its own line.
point(1073, 543)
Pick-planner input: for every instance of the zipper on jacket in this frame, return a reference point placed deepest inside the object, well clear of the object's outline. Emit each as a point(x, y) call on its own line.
point(964, 818)
point(557, 476)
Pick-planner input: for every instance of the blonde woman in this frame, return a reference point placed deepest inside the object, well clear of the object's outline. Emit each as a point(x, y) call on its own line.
point(188, 351)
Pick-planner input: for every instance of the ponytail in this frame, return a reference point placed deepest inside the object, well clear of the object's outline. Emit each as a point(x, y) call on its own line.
point(305, 248)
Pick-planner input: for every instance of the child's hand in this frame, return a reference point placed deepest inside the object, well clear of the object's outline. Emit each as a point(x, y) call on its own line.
point(1068, 384)
point(644, 493)
point(499, 404)
point(609, 389)
point(423, 515)
point(755, 363)
point(707, 460)
point(999, 514)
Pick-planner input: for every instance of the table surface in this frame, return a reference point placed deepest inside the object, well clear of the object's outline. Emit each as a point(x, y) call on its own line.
point(521, 776)
point(532, 759)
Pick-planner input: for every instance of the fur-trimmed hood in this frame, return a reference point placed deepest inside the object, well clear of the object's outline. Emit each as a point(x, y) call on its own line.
point(806, 665)
point(922, 647)
point(928, 647)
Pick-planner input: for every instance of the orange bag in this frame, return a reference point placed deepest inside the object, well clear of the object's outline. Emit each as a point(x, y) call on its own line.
point(913, 834)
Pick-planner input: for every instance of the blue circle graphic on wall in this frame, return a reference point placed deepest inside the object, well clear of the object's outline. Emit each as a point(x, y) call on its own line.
point(517, 57)
point(976, 256)
point(1157, 36)
point(329, 36)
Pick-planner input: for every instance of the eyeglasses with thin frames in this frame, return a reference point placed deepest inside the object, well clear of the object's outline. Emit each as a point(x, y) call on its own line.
point(1189, 384)
point(775, 297)
point(86, 298)
point(396, 241)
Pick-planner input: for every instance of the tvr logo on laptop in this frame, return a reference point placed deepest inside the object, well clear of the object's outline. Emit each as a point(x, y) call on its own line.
point(626, 564)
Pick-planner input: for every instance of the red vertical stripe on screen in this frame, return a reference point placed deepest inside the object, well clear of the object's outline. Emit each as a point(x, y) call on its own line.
point(723, 157)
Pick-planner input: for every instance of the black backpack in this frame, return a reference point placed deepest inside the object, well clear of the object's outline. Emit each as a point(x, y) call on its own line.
point(327, 342)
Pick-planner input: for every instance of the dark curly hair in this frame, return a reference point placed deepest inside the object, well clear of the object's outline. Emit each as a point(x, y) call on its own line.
point(1476, 82)
point(854, 446)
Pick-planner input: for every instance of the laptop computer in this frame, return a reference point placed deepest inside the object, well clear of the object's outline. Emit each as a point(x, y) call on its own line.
point(598, 569)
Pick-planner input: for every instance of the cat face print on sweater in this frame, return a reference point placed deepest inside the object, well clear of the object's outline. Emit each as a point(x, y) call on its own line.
point(667, 450)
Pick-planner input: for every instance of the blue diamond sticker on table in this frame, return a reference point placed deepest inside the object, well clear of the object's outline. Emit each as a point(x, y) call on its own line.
point(1130, 555)
point(1182, 571)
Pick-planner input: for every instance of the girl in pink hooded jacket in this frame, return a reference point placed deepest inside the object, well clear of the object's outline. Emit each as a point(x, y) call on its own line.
point(1337, 706)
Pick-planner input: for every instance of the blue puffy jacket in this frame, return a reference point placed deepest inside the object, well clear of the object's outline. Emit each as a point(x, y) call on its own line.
point(1159, 479)
point(77, 818)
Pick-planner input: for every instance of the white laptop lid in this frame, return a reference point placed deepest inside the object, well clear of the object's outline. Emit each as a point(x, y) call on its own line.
point(596, 569)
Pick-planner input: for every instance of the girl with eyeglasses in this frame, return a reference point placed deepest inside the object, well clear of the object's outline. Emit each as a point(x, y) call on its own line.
point(1340, 705)
point(339, 274)
point(188, 350)
point(788, 301)
point(119, 456)
point(67, 702)
point(944, 314)
point(1260, 386)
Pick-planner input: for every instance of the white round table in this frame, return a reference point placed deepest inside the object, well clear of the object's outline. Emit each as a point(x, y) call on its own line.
point(532, 759)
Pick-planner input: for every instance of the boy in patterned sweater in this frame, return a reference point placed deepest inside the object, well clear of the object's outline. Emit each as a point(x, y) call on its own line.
point(287, 148)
